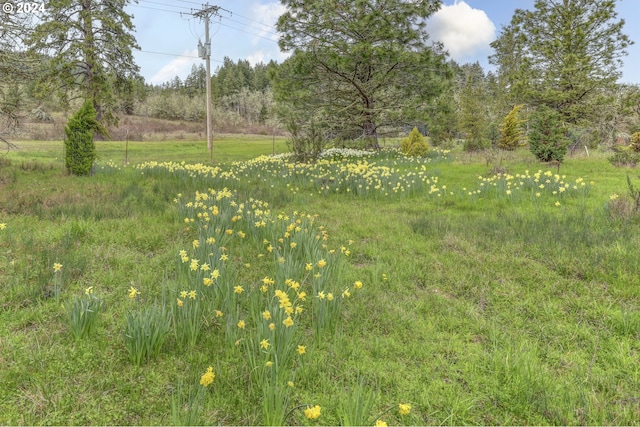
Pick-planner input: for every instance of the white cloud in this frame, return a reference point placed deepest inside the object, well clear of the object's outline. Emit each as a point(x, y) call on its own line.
point(180, 67)
point(256, 57)
point(465, 32)
point(267, 15)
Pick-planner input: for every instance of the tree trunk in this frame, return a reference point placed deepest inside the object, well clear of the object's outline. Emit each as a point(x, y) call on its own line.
point(369, 127)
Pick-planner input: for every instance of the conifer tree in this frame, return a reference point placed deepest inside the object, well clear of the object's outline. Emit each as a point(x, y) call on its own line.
point(89, 43)
point(80, 148)
point(511, 131)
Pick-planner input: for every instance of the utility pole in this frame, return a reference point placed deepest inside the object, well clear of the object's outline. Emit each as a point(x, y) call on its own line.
point(205, 53)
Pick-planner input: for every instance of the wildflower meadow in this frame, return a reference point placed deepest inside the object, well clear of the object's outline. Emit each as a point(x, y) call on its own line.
point(365, 288)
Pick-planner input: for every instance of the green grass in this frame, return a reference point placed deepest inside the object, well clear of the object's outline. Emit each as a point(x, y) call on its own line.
point(482, 309)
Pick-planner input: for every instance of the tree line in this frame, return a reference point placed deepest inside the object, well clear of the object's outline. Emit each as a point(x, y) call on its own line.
point(357, 70)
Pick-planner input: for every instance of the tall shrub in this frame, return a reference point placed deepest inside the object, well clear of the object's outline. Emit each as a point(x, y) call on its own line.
point(547, 140)
point(80, 149)
point(511, 132)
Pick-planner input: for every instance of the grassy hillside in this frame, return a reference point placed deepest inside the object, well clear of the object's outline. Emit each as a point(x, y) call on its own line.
point(401, 291)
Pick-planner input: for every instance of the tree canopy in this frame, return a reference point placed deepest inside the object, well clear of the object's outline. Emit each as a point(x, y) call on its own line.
point(564, 54)
point(90, 44)
point(359, 65)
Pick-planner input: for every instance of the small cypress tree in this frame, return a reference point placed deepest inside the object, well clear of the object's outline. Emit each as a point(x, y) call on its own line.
point(80, 149)
point(511, 132)
point(414, 144)
point(547, 140)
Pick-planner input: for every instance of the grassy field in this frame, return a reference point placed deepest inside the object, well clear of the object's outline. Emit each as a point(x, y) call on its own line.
point(400, 291)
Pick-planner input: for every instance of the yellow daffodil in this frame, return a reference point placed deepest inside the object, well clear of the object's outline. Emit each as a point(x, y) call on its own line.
point(302, 349)
point(57, 267)
point(183, 294)
point(179, 302)
point(192, 294)
point(268, 281)
point(272, 326)
point(404, 408)
point(264, 344)
point(133, 292)
point(207, 378)
point(238, 289)
point(312, 413)
point(380, 423)
point(241, 324)
point(357, 284)
point(288, 321)
point(290, 384)
point(322, 263)
point(89, 290)
point(266, 315)
point(3, 226)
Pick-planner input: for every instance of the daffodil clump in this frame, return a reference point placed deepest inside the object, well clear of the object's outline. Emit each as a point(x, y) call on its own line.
point(338, 171)
point(268, 318)
point(531, 186)
point(84, 314)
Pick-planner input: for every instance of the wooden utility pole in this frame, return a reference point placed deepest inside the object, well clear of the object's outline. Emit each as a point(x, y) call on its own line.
point(204, 51)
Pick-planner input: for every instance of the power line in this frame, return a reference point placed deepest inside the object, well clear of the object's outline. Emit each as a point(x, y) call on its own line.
point(247, 32)
point(164, 4)
point(271, 27)
point(155, 8)
point(179, 55)
point(228, 26)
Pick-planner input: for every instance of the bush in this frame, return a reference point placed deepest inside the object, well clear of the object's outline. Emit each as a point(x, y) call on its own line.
point(80, 149)
point(511, 133)
point(475, 144)
point(625, 158)
point(414, 144)
point(547, 140)
point(306, 141)
point(634, 142)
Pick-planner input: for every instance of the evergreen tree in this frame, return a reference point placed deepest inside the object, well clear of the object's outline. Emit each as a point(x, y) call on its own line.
point(472, 106)
point(547, 138)
point(358, 66)
point(511, 131)
point(80, 149)
point(90, 43)
point(565, 54)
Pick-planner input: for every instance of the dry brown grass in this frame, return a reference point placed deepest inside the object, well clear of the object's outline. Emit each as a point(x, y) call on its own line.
point(139, 128)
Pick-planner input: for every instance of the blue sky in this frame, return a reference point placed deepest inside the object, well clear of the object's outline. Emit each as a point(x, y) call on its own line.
point(168, 35)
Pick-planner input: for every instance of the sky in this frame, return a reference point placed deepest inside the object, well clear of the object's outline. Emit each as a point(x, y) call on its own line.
point(168, 33)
